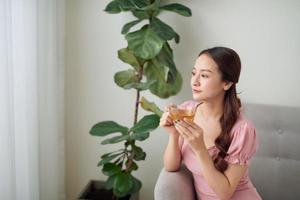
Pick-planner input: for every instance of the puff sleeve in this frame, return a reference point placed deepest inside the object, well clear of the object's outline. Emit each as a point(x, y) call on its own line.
point(243, 144)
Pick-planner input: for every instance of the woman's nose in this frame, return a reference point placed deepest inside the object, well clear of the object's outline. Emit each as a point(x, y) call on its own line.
point(195, 82)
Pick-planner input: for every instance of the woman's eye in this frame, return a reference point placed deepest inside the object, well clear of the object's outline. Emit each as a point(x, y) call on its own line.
point(193, 73)
point(204, 76)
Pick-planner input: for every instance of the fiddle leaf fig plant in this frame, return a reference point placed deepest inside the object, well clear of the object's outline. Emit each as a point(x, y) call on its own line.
point(152, 68)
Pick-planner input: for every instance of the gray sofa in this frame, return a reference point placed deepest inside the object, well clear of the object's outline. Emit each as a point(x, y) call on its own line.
point(274, 170)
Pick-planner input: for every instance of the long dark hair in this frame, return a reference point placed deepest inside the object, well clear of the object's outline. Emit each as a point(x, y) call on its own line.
point(229, 64)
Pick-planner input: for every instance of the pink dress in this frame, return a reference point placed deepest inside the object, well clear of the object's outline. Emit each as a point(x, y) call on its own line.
point(243, 146)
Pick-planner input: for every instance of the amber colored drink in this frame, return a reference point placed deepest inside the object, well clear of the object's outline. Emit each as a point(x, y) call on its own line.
point(180, 114)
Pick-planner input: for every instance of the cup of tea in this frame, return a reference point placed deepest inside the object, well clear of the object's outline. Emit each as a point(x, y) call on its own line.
point(180, 114)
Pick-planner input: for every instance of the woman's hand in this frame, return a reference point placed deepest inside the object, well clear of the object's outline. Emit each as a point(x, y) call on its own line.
point(192, 133)
point(166, 122)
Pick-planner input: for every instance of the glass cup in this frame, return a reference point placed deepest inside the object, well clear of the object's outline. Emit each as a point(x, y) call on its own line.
point(177, 114)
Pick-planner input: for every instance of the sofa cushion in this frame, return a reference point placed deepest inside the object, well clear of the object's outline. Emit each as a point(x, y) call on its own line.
point(275, 169)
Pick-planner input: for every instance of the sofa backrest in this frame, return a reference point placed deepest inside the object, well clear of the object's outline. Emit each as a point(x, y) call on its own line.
point(275, 169)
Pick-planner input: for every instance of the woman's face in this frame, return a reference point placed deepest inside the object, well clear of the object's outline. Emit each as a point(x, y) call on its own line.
point(206, 81)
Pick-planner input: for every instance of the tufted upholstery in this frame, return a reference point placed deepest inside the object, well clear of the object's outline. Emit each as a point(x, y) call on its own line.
point(275, 169)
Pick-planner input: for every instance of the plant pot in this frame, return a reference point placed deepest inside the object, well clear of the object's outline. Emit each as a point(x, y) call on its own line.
point(95, 190)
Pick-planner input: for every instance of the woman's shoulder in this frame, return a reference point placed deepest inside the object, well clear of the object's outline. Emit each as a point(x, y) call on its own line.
point(243, 141)
point(242, 123)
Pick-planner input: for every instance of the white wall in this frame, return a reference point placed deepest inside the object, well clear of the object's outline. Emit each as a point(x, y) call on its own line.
point(265, 33)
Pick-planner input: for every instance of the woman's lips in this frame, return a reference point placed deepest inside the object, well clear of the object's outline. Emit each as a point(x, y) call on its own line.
point(196, 91)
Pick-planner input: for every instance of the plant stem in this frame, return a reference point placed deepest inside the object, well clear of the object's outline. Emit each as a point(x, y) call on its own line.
point(137, 101)
point(130, 161)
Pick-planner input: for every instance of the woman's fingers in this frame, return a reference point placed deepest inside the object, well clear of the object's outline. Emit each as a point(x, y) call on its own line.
point(192, 124)
point(180, 131)
point(188, 129)
point(170, 107)
point(169, 121)
point(185, 126)
point(196, 129)
point(165, 120)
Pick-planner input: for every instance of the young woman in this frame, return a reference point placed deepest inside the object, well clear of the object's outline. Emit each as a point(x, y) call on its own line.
point(218, 145)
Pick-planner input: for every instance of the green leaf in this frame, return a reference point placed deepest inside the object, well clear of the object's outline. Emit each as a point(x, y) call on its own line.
point(116, 139)
point(109, 184)
point(146, 124)
point(120, 151)
point(123, 183)
point(118, 194)
point(165, 58)
point(150, 106)
point(145, 43)
point(137, 184)
point(140, 14)
point(141, 86)
point(152, 7)
point(134, 166)
point(140, 3)
point(129, 79)
point(140, 136)
point(178, 8)
point(125, 79)
point(129, 25)
point(116, 6)
point(144, 86)
point(128, 57)
point(110, 169)
point(163, 88)
point(107, 127)
point(126, 5)
point(108, 159)
point(163, 30)
point(138, 153)
point(113, 7)
point(119, 161)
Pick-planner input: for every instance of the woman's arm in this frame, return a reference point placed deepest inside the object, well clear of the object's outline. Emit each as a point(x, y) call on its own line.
point(225, 184)
point(172, 155)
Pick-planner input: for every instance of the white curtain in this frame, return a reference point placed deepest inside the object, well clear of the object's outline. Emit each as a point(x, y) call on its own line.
point(31, 100)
